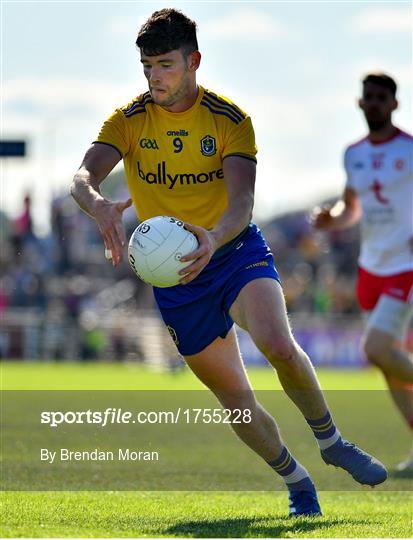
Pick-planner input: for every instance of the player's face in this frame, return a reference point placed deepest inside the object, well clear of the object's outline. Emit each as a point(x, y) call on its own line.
point(169, 76)
point(377, 105)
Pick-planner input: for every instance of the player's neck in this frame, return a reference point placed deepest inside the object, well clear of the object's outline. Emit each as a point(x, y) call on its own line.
point(383, 134)
point(186, 102)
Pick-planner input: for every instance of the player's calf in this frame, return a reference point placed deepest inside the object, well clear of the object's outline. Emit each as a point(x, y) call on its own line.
point(386, 327)
point(257, 427)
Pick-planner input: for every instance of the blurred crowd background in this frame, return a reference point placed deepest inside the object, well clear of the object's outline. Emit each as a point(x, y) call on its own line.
point(60, 299)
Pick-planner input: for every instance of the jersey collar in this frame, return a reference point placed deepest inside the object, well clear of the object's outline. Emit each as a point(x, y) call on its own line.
point(390, 138)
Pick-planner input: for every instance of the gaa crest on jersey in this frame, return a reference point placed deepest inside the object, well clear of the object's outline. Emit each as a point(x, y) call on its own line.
point(149, 144)
point(208, 146)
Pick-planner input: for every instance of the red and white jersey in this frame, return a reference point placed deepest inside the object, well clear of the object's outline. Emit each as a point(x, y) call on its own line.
point(382, 176)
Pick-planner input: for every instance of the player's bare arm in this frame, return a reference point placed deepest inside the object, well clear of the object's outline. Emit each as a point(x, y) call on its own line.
point(239, 174)
point(343, 214)
point(98, 162)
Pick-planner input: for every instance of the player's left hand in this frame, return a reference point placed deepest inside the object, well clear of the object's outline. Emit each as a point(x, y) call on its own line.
point(201, 256)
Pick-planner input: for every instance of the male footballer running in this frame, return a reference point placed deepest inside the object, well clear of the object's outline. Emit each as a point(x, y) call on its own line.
point(379, 190)
point(190, 153)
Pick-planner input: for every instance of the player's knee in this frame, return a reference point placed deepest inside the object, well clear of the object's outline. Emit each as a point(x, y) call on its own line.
point(370, 352)
point(376, 351)
point(280, 351)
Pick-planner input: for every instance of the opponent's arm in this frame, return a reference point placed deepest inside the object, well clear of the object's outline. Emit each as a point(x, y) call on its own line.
point(239, 174)
point(99, 160)
point(343, 214)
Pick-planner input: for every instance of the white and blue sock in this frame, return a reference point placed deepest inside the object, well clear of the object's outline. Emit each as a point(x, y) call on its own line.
point(294, 475)
point(324, 431)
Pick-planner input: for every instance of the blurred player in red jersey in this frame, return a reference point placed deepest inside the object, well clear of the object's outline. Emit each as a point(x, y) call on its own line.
point(379, 190)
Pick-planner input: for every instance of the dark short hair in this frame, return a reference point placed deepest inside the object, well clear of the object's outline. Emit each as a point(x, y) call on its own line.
point(167, 30)
point(381, 79)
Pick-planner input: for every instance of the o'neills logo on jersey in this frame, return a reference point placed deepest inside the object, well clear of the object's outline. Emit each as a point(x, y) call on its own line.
point(161, 176)
point(177, 133)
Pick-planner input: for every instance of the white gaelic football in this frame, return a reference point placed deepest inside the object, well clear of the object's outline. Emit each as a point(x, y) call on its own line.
point(156, 248)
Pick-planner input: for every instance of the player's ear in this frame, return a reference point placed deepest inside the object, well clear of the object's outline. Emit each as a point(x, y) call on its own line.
point(395, 104)
point(194, 59)
point(360, 103)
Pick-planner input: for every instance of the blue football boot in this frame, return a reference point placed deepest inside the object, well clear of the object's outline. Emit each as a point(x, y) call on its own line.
point(364, 468)
point(304, 503)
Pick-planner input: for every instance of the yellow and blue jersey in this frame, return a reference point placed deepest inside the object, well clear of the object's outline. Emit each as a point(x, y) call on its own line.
point(174, 161)
point(174, 166)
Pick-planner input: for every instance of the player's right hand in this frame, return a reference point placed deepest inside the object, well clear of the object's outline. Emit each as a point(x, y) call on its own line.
point(201, 256)
point(108, 216)
point(321, 218)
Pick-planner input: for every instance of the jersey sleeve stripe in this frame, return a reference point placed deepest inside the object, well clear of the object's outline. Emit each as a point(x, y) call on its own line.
point(220, 106)
point(223, 113)
point(109, 144)
point(143, 101)
point(214, 98)
point(138, 110)
point(224, 105)
point(245, 156)
point(140, 100)
point(136, 106)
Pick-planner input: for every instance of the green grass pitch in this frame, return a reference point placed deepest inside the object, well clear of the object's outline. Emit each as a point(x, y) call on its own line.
point(358, 514)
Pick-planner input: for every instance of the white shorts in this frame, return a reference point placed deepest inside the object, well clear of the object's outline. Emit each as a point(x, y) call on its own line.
point(391, 316)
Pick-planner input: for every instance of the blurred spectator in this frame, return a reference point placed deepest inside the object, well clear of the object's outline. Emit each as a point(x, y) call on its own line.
point(22, 227)
point(93, 337)
point(54, 331)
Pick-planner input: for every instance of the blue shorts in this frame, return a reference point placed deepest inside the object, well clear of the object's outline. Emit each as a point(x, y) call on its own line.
point(197, 313)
